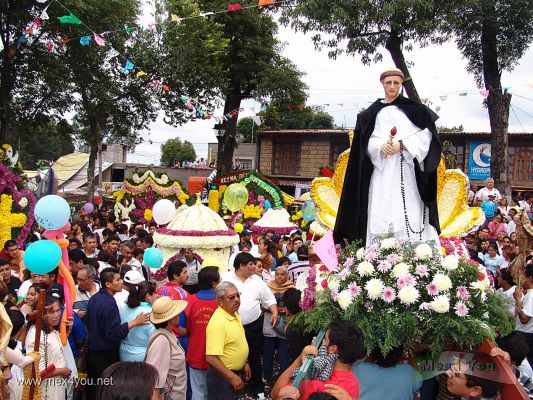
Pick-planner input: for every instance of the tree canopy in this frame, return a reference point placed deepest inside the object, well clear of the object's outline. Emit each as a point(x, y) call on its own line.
point(173, 150)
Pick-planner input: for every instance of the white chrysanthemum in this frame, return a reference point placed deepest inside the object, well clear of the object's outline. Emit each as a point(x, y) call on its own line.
point(374, 287)
point(388, 243)
point(441, 304)
point(408, 294)
point(450, 262)
point(334, 282)
point(23, 202)
point(423, 251)
point(400, 270)
point(365, 268)
point(344, 299)
point(360, 253)
point(442, 282)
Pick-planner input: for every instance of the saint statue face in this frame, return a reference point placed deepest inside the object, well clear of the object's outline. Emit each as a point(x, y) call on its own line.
point(392, 86)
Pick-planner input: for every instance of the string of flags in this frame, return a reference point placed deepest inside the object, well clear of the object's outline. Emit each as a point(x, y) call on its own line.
point(33, 27)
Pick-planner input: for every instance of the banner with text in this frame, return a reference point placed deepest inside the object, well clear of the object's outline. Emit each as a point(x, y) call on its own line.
point(479, 160)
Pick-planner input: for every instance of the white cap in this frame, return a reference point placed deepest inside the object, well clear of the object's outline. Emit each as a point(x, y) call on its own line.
point(134, 277)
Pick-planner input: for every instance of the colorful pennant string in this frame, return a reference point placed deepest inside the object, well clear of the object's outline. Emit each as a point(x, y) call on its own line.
point(69, 19)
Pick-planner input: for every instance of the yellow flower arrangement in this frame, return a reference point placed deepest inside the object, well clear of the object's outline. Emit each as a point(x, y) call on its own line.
point(214, 200)
point(252, 211)
point(297, 216)
point(148, 214)
point(8, 220)
point(136, 190)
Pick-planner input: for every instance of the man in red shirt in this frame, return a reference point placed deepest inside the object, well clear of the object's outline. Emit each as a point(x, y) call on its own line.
point(201, 307)
point(344, 345)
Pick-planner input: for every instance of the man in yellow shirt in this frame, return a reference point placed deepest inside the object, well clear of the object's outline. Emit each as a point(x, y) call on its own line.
point(226, 346)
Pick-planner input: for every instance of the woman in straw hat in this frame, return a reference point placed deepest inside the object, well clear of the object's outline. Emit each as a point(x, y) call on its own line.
point(164, 352)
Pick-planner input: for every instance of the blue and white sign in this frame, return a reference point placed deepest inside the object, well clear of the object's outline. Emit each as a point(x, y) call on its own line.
point(479, 160)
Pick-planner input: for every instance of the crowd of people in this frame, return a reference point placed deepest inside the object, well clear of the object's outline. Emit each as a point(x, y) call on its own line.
point(202, 334)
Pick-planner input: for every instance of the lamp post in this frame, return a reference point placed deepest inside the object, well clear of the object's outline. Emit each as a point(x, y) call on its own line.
point(219, 133)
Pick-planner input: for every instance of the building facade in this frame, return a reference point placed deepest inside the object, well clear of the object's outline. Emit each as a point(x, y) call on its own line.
point(294, 157)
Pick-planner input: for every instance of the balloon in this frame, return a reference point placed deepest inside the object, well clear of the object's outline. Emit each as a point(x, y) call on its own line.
point(238, 227)
point(52, 212)
point(42, 256)
point(267, 204)
point(153, 258)
point(236, 196)
point(309, 211)
point(97, 200)
point(88, 207)
point(163, 211)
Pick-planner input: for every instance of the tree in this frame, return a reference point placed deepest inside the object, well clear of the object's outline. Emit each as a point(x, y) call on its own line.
point(443, 129)
point(364, 27)
point(173, 151)
point(246, 56)
point(32, 79)
point(248, 128)
point(110, 105)
point(493, 35)
point(41, 138)
point(278, 116)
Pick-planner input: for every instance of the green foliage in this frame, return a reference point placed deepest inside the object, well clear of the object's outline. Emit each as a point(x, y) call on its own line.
point(42, 138)
point(278, 116)
point(173, 150)
point(511, 23)
point(248, 128)
point(365, 27)
point(442, 129)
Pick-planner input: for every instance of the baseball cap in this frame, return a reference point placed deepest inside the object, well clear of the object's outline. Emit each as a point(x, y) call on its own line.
point(133, 277)
point(246, 232)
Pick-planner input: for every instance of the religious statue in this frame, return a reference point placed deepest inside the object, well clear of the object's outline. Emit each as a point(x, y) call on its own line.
point(390, 186)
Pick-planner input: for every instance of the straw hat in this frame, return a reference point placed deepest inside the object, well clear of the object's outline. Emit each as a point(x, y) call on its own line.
point(164, 309)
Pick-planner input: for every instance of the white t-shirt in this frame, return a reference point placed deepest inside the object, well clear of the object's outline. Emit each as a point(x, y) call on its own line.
point(121, 297)
point(527, 308)
point(254, 293)
point(509, 294)
point(483, 194)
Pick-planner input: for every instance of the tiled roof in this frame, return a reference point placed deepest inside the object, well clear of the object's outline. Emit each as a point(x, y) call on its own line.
point(306, 132)
point(343, 131)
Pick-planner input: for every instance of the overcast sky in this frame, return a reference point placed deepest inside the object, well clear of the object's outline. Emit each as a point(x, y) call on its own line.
point(438, 70)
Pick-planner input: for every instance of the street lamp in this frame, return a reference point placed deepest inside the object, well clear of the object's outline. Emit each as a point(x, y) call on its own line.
point(219, 130)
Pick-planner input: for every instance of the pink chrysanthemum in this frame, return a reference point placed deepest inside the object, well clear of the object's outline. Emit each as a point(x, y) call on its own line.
point(334, 294)
point(349, 262)
point(371, 255)
point(432, 289)
point(462, 293)
point(425, 306)
point(406, 280)
point(393, 258)
point(345, 273)
point(354, 289)
point(461, 310)
point(422, 270)
point(388, 295)
point(369, 306)
point(384, 266)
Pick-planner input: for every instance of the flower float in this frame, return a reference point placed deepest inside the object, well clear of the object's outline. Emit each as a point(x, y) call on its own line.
point(200, 228)
point(423, 297)
point(275, 219)
point(141, 185)
point(456, 217)
point(16, 201)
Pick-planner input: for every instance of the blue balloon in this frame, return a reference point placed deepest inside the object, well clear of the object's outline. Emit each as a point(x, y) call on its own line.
point(309, 211)
point(42, 256)
point(52, 212)
point(153, 258)
point(267, 204)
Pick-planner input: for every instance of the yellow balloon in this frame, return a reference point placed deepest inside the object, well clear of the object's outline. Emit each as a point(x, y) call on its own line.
point(238, 227)
point(236, 196)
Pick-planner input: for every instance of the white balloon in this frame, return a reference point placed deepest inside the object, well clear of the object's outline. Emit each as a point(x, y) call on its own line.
point(163, 211)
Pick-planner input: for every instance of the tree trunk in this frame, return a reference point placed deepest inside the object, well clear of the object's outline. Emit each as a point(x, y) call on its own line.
point(228, 143)
point(394, 47)
point(498, 101)
point(90, 172)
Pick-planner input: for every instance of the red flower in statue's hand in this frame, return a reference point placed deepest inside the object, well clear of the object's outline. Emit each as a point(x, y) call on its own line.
point(393, 131)
point(480, 276)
